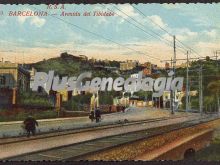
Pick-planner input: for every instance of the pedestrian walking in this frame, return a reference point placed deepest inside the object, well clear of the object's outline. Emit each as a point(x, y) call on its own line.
point(30, 125)
point(97, 115)
point(92, 115)
point(123, 108)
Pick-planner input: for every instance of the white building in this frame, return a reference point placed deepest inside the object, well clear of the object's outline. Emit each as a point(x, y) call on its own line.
point(177, 99)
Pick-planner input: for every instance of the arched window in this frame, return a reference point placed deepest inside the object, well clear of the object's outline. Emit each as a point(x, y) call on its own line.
point(2, 80)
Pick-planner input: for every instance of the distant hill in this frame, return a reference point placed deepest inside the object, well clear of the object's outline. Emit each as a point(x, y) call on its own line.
point(70, 65)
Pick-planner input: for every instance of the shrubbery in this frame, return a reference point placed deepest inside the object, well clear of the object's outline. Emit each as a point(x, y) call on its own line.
point(76, 103)
point(34, 99)
point(19, 115)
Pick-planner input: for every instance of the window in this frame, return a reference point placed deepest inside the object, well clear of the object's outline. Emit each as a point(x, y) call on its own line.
point(2, 80)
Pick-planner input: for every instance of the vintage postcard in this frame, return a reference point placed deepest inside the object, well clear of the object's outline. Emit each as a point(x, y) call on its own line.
point(110, 82)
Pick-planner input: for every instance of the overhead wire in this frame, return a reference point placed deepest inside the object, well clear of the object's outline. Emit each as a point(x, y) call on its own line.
point(165, 30)
point(167, 42)
point(98, 35)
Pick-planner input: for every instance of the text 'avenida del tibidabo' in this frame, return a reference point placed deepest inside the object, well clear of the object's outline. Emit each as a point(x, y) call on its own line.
point(83, 83)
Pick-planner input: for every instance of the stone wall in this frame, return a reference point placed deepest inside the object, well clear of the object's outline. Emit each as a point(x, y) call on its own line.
point(195, 144)
point(133, 150)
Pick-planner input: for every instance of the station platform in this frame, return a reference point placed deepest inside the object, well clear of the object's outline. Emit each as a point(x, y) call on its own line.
point(38, 143)
point(14, 128)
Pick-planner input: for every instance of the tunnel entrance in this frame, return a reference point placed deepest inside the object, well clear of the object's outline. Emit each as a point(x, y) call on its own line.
point(190, 154)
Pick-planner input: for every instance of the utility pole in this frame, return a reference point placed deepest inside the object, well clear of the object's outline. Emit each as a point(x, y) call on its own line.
point(174, 55)
point(171, 102)
point(200, 81)
point(187, 82)
point(172, 93)
point(216, 58)
point(189, 96)
point(200, 91)
point(23, 59)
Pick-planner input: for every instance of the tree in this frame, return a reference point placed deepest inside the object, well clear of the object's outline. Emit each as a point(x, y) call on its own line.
point(207, 58)
point(214, 87)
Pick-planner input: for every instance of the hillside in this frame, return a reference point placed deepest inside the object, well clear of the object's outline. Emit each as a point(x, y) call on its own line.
point(70, 65)
point(210, 81)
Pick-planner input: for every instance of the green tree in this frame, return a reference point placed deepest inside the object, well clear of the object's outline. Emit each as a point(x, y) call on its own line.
point(214, 87)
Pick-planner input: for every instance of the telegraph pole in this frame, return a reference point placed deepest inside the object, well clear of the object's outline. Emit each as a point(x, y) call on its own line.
point(189, 96)
point(23, 59)
point(172, 93)
point(174, 55)
point(200, 81)
point(216, 58)
point(187, 82)
point(200, 91)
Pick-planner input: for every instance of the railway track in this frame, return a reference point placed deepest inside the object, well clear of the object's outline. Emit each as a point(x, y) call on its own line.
point(87, 129)
point(78, 150)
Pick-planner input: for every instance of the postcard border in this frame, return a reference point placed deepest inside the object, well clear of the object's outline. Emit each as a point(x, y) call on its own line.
point(37, 2)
